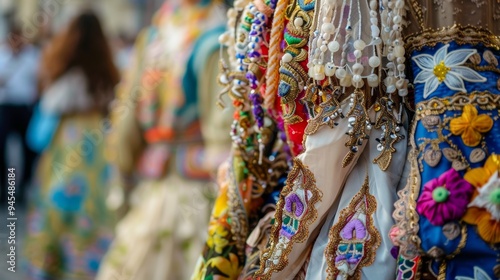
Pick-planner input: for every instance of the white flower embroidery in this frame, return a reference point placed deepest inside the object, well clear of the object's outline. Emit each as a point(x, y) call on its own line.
point(488, 197)
point(445, 67)
point(479, 274)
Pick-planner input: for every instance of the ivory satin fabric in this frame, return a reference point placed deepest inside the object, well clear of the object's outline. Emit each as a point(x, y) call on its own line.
point(383, 186)
point(323, 156)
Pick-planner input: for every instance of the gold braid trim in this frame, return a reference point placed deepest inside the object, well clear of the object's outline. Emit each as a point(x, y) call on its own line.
point(405, 213)
point(457, 33)
point(237, 212)
point(437, 106)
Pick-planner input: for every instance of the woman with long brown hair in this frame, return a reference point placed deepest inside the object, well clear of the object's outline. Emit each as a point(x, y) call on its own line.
point(69, 228)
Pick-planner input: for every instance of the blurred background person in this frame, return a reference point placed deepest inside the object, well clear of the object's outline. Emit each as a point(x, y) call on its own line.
point(175, 139)
point(123, 46)
point(69, 227)
point(18, 92)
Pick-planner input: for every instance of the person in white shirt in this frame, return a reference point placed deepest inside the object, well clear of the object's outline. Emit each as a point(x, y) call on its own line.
point(18, 93)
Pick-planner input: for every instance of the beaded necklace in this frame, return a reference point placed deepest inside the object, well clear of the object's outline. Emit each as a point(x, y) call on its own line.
point(376, 67)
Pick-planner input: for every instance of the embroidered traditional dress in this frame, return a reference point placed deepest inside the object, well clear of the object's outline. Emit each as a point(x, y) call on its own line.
point(69, 225)
point(448, 215)
point(167, 102)
point(319, 89)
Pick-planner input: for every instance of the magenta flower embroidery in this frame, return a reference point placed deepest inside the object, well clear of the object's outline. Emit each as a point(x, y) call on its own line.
point(445, 198)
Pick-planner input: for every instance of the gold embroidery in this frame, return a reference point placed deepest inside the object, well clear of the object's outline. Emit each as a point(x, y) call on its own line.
point(358, 120)
point(328, 111)
point(427, 113)
point(354, 235)
point(406, 215)
point(491, 68)
point(457, 33)
point(388, 123)
point(419, 13)
point(300, 195)
point(237, 212)
point(292, 75)
point(436, 106)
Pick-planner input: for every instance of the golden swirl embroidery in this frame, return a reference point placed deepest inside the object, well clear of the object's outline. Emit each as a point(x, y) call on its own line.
point(436, 106)
point(292, 75)
point(457, 33)
point(295, 212)
point(353, 240)
point(358, 120)
point(391, 128)
point(327, 112)
point(237, 212)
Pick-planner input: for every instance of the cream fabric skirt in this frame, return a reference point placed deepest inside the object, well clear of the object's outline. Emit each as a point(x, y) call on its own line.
point(163, 233)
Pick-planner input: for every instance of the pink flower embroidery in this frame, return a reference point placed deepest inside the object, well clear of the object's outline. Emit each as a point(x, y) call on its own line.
point(445, 198)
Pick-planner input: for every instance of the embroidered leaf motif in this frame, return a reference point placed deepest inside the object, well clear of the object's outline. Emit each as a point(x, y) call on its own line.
point(450, 154)
point(477, 155)
point(490, 58)
point(451, 230)
point(432, 157)
point(475, 59)
point(459, 165)
point(436, 252)
point(431, 122)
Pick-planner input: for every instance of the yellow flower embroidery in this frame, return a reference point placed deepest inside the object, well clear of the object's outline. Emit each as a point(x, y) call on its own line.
point(470, 126)
point(479, 176)
point(217, 239)
point(487, 227)
point(440, 71)
point(230, 268)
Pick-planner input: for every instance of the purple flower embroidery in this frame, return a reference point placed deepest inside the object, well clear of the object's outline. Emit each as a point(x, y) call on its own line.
point(294, 199)
point(351, 227)
point(445, 198)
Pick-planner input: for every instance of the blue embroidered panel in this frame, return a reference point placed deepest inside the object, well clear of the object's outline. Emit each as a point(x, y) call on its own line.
point(441, 73)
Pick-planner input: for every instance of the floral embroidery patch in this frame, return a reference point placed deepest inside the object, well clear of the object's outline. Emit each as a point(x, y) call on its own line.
point(445, 67)
point(484, 209)
point(445, 198)
point(470, 126)
point(353, 240)
point(296, 210)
